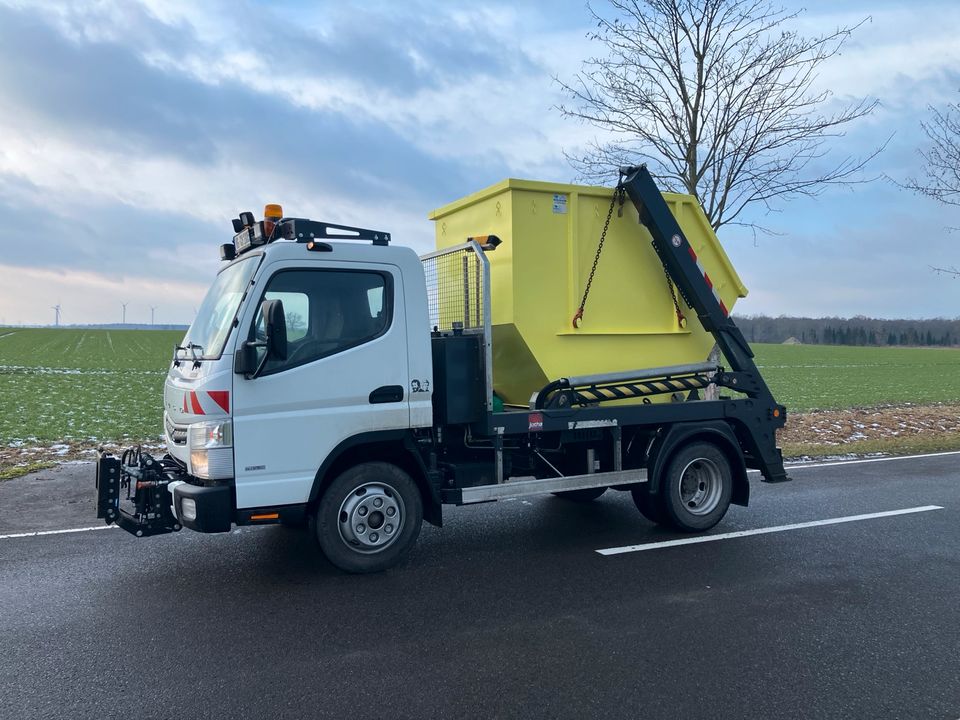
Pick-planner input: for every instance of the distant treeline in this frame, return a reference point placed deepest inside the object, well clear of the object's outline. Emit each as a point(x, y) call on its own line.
point(939, 332)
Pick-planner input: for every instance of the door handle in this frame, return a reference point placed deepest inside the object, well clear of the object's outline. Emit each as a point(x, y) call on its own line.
point(387, 394)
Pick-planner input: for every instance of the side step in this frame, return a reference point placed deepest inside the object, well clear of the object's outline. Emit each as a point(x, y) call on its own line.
point(527, 486)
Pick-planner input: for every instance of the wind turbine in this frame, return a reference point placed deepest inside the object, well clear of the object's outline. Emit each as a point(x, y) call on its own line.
point(152, 310)
point(123, 313)
point(56, 315)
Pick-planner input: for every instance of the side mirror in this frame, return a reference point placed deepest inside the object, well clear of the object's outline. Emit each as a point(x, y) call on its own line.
point(275, 324)
point(274, 342)
point(245, 359)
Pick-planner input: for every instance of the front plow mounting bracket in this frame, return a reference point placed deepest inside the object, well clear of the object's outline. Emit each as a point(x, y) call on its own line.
point(145, 483)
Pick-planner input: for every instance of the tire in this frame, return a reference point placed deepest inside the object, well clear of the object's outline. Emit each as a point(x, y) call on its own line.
point(368, 518)
point(649, 505)
point(695, 490)
point(581, 496)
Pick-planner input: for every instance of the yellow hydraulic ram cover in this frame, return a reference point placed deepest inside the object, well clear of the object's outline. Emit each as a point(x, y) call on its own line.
point(550, 234)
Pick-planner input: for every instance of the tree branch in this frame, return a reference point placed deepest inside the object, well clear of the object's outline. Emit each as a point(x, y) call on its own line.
point(718, 98)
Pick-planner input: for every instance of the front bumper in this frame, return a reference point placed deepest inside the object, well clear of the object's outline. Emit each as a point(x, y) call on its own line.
point(212, 507)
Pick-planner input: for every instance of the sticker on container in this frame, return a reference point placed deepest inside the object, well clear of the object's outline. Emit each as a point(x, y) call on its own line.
point(560, 204)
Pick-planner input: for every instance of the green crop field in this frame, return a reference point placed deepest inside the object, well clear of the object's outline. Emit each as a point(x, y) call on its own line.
point(82, 385)
point(821, 377)
point(87, 386)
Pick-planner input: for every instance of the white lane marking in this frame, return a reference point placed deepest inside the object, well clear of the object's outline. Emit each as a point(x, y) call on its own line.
point(836, 463)
point(57, 532)
point(800, 466)
point(763, 531)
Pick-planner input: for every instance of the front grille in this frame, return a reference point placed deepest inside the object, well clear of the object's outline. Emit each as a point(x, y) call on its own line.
point(176, 433)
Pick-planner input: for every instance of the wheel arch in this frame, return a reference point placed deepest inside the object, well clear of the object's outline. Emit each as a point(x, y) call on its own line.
point(717, 433)
point(397, 447)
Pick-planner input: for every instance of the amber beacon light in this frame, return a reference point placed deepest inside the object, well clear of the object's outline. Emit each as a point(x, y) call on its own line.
point(272, 213)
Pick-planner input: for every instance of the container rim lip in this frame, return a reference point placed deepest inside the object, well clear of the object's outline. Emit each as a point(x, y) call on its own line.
point(593, 191)
point(518, 184)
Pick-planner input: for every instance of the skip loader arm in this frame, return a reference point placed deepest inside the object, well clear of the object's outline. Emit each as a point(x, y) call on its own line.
point(761, 418)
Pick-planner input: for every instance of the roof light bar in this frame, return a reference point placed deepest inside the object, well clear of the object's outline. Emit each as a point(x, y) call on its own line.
point(250, 237)
point(249, 233)
point(303, 230)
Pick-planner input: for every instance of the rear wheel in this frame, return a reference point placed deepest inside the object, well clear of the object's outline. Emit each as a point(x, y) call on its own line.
point(582, 496)
point(695, 490)
point(649, 505)
point(369, 518)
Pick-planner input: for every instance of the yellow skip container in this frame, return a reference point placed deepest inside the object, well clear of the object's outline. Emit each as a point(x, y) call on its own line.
point(550, 234)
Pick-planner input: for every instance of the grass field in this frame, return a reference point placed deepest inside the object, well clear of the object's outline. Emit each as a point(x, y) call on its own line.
point(89, 386)
point(820, 377)
point(61, 385)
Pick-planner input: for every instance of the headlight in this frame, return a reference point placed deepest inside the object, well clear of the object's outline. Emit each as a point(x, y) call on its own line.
point(211, 449)
point(210, 434)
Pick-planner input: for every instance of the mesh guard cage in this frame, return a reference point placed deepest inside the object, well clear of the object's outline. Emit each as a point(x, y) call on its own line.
point(458, 292)
point(455, 288)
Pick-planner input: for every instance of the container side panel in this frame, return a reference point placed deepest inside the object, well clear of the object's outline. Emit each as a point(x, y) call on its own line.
point(489, 213)
point(516, 367)
point(550, 234)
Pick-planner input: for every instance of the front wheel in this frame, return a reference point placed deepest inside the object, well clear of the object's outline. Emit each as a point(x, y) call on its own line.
point(369, 518)
point(696, 488)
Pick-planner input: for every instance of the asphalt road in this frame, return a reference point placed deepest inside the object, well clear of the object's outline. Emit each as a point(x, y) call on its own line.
point(508, 611)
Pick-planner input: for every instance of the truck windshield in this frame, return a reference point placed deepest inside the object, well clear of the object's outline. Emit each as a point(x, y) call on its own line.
point(211, 328)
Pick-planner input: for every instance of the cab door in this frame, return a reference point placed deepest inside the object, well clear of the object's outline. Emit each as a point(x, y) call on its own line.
point(345, 374)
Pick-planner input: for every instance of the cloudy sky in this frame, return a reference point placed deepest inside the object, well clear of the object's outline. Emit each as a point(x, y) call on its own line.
point(131, 132)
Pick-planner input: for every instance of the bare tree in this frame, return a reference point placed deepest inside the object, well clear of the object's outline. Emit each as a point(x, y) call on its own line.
point(952, 270)
point(718, 97)
point(941, 164)
point(295, 322)
point(941, 159)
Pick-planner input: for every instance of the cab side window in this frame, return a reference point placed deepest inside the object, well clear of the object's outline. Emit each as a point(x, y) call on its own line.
point(327, 312)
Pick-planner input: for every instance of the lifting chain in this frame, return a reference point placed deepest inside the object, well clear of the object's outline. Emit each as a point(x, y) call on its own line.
point(681, 320)
point(618, 194)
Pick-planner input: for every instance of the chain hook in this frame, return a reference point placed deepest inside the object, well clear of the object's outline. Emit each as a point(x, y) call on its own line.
point(578, 316)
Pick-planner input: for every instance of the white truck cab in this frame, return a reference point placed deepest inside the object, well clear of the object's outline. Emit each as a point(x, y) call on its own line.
point(350, 364)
